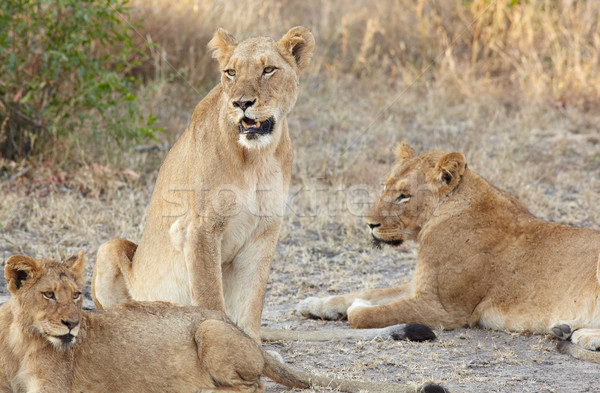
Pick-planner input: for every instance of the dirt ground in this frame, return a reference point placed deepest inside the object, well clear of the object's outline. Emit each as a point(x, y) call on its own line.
point(463, 360)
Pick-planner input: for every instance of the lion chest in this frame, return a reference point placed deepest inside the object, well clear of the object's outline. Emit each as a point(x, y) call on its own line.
point(256, 211)
point(244, 211)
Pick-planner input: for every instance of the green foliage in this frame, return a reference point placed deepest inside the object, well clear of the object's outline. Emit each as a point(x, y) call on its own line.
point(63, 73)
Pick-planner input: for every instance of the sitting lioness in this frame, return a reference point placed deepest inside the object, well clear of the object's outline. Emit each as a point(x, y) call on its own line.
point(216, 209)
point(48, 344)
point(483, 260)
point(214, 216)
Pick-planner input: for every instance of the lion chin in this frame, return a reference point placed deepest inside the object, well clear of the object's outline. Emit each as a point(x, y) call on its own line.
point(379, 243)
point(62, 342)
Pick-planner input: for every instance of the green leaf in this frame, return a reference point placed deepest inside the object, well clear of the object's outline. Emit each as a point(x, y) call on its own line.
point(46, 47)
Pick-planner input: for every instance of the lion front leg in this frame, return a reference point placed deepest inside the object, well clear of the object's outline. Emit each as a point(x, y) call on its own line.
point(202, 254)
point(587, 338)
point(334, 308)
point(245, 281)
point(421, 309)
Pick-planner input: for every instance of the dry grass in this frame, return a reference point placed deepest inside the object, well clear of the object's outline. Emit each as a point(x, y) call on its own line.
point(540, 49)
point(512, 84)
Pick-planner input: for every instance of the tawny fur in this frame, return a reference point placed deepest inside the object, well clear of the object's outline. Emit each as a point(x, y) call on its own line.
point(216, 209)
point(483, 260)
point(48, 344)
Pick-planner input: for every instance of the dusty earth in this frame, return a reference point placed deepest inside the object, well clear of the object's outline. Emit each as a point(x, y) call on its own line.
point(464, 360)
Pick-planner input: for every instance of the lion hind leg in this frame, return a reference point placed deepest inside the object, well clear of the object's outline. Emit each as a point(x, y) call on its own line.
point(335, 308)
point(109, 281)
point(232, 360)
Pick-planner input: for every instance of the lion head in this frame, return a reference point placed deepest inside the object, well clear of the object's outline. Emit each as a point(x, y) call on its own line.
point(49, 296)
point(260, 81)
point(413, 190)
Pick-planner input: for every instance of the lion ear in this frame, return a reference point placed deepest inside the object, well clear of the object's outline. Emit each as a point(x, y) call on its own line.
point(448, 170)
point(18, 270)
point(404, 152)
point(300, 43)
point(222, 46)
point(76, 264)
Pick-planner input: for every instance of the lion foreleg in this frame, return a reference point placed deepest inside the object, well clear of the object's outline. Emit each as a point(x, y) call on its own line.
point(202, 254)
point(424, 310)
point(336, 307)
point(587, 338)
point(46, 372)
point(245, 282)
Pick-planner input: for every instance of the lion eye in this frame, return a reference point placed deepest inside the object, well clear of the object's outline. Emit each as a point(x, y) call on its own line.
point(230, 73)
point(402, 198)
point(269, 70)
point(48, 295)
point(76, 295)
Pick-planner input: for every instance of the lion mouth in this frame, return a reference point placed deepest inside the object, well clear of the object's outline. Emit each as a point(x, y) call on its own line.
point(379, 243)
point(253, 127)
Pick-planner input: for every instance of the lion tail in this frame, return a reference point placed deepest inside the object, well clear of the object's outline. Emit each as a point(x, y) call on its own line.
point(289, 377)
point(567, 347)
point(410, 331)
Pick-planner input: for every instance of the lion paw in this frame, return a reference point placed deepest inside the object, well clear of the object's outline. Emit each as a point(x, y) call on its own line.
point(321, 308)
point(587, 338)
point(562, 332)
point(358, 304)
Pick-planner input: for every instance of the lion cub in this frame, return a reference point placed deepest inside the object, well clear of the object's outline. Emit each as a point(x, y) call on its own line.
point(48, 344)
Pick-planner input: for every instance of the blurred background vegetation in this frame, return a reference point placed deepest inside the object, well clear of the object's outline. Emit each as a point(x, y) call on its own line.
point(65, 68)
point(75, 76)
point(514, 84)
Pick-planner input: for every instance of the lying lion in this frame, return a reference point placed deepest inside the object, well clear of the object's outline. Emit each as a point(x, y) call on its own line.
point(484, 260)
point(48, 344)
point(216, 209)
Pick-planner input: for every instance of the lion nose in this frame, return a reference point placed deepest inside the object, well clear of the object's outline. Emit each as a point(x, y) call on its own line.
point(70, 324)
point(374, 225)
point(243, 105)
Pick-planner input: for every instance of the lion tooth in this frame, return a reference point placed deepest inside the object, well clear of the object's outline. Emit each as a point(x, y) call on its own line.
point(257, 125)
